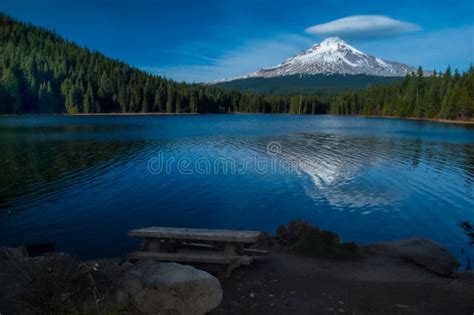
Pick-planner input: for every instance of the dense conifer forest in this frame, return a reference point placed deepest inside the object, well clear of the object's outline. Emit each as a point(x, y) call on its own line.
point(42, 73)
point(445, 95)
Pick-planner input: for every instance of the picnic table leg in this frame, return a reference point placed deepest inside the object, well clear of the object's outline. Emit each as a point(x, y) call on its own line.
point(153, 244)
point(230, 249)
point(234, 264)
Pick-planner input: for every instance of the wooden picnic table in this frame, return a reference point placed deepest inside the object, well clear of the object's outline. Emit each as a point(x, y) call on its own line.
point(226, 247)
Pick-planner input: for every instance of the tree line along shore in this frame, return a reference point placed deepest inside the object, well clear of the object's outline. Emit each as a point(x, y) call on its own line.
point(42, 73)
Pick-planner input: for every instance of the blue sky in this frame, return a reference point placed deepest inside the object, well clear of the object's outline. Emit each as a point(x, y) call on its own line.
point(208, 40)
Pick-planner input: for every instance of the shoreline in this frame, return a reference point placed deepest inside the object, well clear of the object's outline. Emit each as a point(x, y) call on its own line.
point(438, 120)
point(130, 114)
point(105, 114)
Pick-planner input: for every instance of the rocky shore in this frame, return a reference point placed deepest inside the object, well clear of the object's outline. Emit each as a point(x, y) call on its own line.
point(404, 276)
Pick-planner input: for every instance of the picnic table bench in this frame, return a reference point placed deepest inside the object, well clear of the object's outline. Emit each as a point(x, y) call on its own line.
point(226, 247)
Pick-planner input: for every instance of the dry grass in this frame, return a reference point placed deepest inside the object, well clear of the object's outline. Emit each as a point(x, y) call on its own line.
point(59, 284)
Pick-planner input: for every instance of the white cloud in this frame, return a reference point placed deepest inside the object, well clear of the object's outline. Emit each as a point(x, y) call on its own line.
point(251, 56)
point(363, 26)
point(433, 50)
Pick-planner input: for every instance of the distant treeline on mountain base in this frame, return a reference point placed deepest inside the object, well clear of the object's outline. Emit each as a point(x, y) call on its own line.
point(42, 73)
point(308, 84)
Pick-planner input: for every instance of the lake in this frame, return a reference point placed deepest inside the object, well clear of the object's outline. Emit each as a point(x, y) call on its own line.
point(83, 181)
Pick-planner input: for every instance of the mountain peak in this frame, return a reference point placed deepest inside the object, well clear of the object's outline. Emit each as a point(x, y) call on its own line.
point(332, 41)
point(333, 56)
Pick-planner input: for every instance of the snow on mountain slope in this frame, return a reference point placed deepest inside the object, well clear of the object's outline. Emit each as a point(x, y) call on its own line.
point(332, 55)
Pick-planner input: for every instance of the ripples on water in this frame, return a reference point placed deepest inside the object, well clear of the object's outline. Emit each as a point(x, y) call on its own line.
point(82, 182)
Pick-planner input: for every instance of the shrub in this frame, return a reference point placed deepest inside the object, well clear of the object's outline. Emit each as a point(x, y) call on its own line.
point(294, 230)
point(469, 230)
point(306, 239)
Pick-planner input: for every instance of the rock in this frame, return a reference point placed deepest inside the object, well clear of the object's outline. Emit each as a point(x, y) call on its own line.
point(169, 288)
point(401, 306)
point(465, 275)
point(13, 252)
point(423, 252)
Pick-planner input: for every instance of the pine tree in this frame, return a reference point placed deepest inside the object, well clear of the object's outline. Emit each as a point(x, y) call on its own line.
point(89, 100)
point(159, 103)
point(462, 101)
point(135, 100)
point(147, 99)
point(74, 100)
point(105, 92)
point(193, 102)
point(419, 110)
point(43, 99)
point(171, 102)
point(11, 87)
point(123, 99)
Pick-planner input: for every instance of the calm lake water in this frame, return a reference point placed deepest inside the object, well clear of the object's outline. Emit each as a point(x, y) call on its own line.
point(83, 182)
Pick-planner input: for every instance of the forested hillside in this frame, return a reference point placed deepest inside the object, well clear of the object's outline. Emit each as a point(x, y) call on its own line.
point(42, 73)
point(447, 96)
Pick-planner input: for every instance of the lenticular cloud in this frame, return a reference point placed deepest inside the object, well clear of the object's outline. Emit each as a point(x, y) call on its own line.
point(363, 26)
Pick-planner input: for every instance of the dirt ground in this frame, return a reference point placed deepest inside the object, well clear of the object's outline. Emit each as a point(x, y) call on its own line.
point(287, 283)
point(291, 284)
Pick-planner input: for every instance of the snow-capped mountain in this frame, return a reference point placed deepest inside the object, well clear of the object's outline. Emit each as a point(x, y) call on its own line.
point(332, 56)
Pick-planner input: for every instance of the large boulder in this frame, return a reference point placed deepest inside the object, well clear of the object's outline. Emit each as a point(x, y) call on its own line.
point(169, 288)
point(423, 252)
